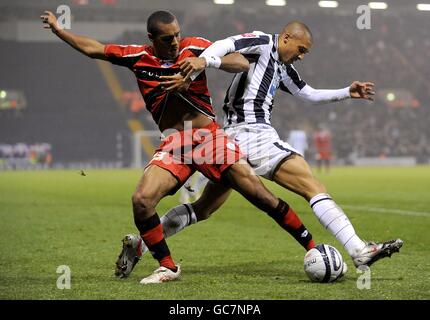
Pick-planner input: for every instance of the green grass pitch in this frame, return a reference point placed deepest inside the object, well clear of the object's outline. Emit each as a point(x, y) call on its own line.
point(53, 218)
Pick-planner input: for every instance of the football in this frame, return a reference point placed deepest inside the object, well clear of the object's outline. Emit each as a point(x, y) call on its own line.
point(324, 263)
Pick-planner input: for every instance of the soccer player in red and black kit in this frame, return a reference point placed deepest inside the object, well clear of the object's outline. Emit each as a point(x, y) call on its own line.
point(180, 153)
point(323, 146)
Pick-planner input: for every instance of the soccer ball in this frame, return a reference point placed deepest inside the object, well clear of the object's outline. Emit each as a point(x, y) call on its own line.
point(324, 263)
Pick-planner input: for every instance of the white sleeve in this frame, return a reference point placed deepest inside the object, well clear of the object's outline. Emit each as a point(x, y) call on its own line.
point(248, 43)
point(219, 48)
point(320, 96)
point(251, 43)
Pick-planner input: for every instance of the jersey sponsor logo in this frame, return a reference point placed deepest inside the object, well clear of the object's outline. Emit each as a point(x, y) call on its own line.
point(148, 73)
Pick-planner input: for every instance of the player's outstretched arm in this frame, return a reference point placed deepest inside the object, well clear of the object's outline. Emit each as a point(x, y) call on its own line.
point(357, 90)
point(90, 47)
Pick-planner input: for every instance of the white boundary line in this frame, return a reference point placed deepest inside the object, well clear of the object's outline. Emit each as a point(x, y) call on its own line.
point(386, 210)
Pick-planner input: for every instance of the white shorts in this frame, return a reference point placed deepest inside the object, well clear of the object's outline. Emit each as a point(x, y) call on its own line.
point(262, 145)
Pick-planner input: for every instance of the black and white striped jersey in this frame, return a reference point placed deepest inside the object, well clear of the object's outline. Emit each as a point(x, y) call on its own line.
point(250, 96)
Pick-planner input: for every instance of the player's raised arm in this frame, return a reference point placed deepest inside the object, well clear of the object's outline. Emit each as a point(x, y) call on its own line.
point(90, 47)
point(357, 90)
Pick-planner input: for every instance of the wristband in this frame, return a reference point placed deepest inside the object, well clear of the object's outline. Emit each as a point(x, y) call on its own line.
point(213, 62)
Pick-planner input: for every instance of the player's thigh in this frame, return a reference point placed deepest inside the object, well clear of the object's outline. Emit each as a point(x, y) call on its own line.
point(155, 183)
point(296, 175)
point(243, 179)
point(214, 195)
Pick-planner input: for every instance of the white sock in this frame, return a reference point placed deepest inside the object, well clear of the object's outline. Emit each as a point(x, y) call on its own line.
point(185, 194)
point(200, 182)
point(331, 216)
point(175, 220)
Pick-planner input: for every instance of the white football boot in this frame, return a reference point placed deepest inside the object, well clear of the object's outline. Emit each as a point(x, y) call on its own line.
point(129, 256)
point(162, 274)
point(372, 252)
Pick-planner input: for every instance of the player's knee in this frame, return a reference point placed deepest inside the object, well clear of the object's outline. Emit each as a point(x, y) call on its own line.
point(202, 211)
point(203, 215)
point(313, 188)
point(143, 201)
point(262, 197)
point(319, 187)
point(266, 198)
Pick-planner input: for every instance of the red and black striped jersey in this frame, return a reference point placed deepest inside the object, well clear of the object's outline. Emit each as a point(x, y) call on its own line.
point(148, 68)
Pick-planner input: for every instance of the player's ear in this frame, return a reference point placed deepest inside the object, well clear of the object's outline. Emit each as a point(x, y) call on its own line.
point(150, 36)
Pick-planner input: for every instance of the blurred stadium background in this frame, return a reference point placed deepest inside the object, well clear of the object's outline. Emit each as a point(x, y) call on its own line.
point(59, 109)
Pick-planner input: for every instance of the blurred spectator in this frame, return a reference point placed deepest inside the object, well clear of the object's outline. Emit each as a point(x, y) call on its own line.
point(24, 156)
point(323, 146)
point(299, 141)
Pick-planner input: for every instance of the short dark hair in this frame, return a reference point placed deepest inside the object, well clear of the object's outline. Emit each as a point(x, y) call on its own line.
point(164, 17)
